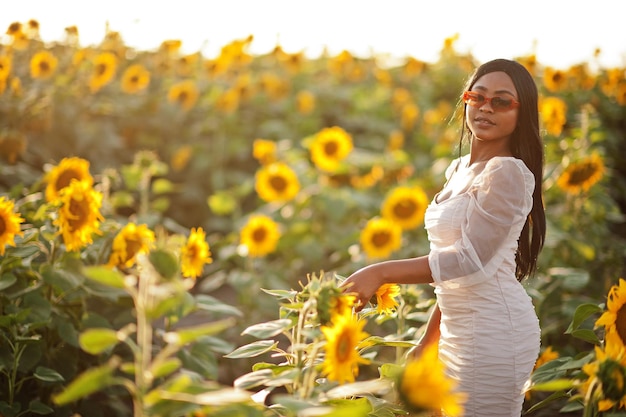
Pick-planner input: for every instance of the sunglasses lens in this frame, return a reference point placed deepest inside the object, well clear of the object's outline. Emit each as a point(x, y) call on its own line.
point(501, 103)
point(474, 99)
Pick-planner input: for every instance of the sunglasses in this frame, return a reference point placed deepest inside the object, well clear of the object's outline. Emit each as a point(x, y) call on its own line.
point(498, 104)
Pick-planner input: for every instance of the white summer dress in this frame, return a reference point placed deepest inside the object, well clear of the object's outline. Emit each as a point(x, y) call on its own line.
point(490, 334)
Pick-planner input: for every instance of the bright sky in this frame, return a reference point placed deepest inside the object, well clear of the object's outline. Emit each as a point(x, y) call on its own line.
point(559, 32)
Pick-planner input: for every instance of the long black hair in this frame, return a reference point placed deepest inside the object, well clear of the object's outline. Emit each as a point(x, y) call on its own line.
point(525, 144)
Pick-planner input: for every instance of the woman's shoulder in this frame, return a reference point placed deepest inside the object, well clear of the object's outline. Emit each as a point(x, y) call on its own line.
point(506, 172)
point(509, 164)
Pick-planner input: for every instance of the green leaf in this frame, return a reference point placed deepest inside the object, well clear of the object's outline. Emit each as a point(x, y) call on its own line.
point(105, 275)
point(164, 262)
point(390, 370)
point(544, 403)
point(359, 407)
point(281, 294)
point(268, 329)
point(182, 337)
point(252, 349)
point(554, 385)
point(6, 280)
point(166, 367)
point(96, 341)
point(582, 313)
point(360, 388)
point(162, 186)
point(213, 305)
point(46, 374)
point(379, 341)
point(253, 379)
point(37, 407)
point(586, 335)
point(92, 380)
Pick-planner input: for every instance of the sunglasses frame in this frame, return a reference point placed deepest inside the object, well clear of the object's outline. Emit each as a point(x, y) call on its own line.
point(467, 99)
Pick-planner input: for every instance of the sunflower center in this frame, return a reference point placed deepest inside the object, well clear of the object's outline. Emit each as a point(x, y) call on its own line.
point(344, 347)
point(3, 226)
point(101, 69)
point(183, 97)
point(192, 251)
point(405, 209)
point(278, 182)
point(381, 239)
point(259, 234)
point(612, 376)
point(582, 172)
point(132, 247)
point(134, 79)
point(79, 210)
point(44, 66)
point(66, 178)
point(620, 323)
point(331, 148)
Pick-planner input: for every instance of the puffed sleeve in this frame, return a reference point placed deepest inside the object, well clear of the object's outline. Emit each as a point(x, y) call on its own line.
point(499, 202)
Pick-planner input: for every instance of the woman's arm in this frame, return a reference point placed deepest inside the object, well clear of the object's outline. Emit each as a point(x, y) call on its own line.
point(431, 335)
point(364, 282)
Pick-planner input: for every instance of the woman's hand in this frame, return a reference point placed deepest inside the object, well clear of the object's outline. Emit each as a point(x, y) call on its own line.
point(363, 284)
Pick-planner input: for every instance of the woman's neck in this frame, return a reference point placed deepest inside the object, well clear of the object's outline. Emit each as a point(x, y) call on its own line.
point(483, 151)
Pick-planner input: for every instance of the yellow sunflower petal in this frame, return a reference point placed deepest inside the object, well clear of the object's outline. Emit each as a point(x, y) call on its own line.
point(9, 224)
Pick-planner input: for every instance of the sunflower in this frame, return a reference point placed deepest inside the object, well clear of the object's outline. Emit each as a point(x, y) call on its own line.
point(330, 146)
point(9, 224)
point(555, 80)
point(410, 113)
point(184, 93)
point(305, 102)
point(260, 235)
point(104, 67)
point(342, 359)
point(405, 206)
point(606, 385)
point(5, 66)
point(614, 318)
point(546, 356)
point(342, 304)
point(62, 175)
point(553, 114)
point(276, 182)
point(395, 141)
point(380, 237)
point(43, 64)
point(171, 46)
point(424, 386)
point(228, 101)
point(131, 240)
point(413, 67)
point(79, 214)
point(195, 254)
point(264, 151)
point(12, 145)
point(180, 158)
point(135, 79)
point(582, 175)
point(386, 298)
point(332, 302)
point(14, 29)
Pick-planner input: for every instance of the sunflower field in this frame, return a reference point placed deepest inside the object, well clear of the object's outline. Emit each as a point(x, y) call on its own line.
point(175, 228)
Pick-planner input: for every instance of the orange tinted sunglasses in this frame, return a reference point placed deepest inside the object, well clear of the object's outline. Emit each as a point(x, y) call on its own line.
point(498, 103)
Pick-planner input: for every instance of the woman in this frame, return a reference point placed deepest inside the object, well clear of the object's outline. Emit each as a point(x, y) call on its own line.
point(486, 228)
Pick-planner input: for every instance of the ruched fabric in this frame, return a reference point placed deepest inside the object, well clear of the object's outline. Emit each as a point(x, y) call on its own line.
point(489, 329)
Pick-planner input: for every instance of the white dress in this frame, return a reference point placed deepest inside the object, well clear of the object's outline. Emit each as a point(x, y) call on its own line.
point(490, 333)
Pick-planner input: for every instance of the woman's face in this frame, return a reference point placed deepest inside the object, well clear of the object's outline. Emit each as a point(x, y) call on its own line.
point(485, 123)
